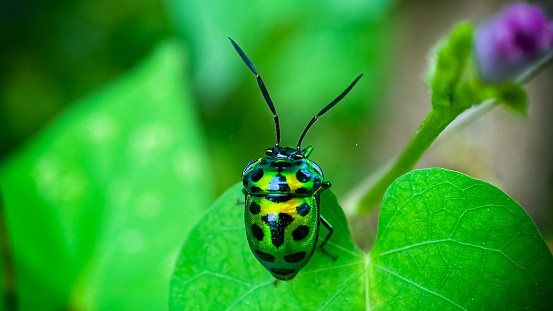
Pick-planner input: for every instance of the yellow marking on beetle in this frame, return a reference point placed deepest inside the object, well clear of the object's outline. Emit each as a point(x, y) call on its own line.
point(293, 182)
point(256, 219)
point(288, 207)
point(263, 183)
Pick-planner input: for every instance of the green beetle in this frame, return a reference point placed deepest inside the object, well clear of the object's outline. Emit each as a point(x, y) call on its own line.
point(282, 202)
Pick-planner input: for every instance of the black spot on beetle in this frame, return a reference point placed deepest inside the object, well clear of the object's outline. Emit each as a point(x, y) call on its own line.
point(282, 271)
point(284, 188)
point(278, 198)
point(295, 257)
point(257, 232)
point(277, 225)
point(256, 174)
point(264, 256)
point(303, 209)
point(255, 190)
point(300, 233)
point(301, 190)
point(316, 182)
point(303, 175)
point(254, 208)
point(280, 164)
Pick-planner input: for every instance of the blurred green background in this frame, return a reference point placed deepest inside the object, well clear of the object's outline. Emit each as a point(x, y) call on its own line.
point(120, 122)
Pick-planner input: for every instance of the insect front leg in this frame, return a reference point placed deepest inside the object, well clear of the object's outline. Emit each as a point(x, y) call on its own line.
point(331, 231)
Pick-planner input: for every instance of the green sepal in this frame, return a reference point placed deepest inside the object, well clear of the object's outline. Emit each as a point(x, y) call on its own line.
point(468, 93)
point(513, 96)
point(451, 57)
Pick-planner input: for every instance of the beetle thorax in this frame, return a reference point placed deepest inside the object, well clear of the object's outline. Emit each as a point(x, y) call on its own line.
point(284, 171)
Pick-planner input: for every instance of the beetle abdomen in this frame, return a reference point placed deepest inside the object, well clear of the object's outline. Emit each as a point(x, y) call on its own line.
point(282, 231)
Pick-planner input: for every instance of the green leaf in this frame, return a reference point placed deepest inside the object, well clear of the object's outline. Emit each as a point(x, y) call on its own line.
point(100, 202)
point(445, 242)
point(217, 271)
point(304, 49)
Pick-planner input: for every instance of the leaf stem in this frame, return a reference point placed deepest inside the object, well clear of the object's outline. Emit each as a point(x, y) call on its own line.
point(6, 262)
point(431, 127)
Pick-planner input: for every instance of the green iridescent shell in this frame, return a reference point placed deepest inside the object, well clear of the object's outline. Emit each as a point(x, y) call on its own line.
point(282, 209)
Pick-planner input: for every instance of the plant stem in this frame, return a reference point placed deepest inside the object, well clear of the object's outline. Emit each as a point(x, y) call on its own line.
point(6, 262)
point(431, 127)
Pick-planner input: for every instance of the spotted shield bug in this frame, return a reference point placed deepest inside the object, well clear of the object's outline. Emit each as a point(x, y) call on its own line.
point(282, 201)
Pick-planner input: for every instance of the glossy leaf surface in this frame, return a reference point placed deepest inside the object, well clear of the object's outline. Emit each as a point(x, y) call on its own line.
point(449, 242)
point(445, 242)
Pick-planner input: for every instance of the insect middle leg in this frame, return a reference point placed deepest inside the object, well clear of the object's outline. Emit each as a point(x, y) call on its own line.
point(331, 231)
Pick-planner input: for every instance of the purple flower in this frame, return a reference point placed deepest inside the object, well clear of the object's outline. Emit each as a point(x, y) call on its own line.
point(510, 43)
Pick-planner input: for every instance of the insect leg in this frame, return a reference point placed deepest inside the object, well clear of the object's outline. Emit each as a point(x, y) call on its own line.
point(331, 231)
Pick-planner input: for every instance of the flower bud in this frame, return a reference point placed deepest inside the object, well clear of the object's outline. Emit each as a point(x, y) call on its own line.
point(508, 45)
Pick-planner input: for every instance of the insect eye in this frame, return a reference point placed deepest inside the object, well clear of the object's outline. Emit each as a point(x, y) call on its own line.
point(269, 152)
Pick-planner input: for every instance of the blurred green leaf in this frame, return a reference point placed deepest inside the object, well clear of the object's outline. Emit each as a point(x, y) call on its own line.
point(307, 52)
point(8, 300)
point(86, 44)
point(2, 301)
point(100, 202)
point(299, 37)
point(445, 242)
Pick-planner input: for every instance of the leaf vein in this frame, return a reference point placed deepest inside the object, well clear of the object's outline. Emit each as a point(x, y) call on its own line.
point(461, 243)
point(346, 284)
point(333, 267)
point(251, 290)
point(344, 249)
point(419, 286)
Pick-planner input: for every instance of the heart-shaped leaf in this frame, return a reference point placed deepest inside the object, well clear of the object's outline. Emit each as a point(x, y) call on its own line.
point(445, 242)
point(450, 242)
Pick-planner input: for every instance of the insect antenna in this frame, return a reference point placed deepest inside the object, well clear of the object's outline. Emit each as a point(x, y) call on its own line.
point(261, 86)
point(327, 108)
